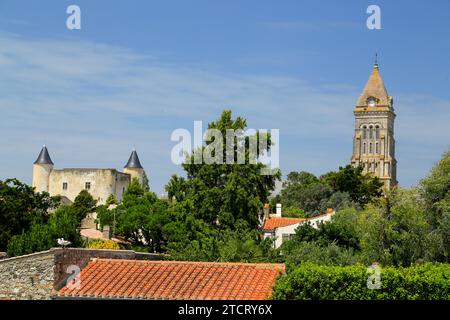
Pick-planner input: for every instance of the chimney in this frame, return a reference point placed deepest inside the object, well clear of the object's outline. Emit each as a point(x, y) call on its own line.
point(107, 232)
point(278, 212)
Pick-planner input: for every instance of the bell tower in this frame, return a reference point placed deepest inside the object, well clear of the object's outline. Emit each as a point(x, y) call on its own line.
point(373, 141)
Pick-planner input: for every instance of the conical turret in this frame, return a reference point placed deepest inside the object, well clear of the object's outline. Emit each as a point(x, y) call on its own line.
point(133, 161)
point(134, 167)
point(42, 168)
point(44, 157)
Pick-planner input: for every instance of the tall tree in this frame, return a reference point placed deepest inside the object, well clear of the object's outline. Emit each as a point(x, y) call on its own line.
point(20, 206)
point(83, 204)
point(361, 187)
point(221, 193)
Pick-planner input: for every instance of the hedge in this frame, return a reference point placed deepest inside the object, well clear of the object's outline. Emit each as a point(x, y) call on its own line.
point(429, 281)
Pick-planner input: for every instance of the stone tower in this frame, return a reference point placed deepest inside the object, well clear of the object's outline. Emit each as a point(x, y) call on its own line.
point(134, 167)
point(373, 142)
point(42, 168)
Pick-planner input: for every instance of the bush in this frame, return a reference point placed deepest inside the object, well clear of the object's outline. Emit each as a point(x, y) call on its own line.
point(330, 254)
point(313, 282)
point(63, 223)
point(103, 244)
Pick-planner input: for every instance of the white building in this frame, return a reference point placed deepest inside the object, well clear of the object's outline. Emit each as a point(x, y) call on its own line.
point(281, 228)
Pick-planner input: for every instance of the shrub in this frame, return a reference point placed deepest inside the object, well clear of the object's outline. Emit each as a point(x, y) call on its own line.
point(329, 254)
point(313, 282)
point(63, 223)
point(103, 244)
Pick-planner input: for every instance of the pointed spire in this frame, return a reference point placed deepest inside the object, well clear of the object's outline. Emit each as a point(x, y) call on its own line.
point(374, 88)
point(133, 161)
point(44, 157)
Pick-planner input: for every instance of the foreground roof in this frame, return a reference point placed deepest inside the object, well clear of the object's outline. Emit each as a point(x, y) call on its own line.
point(135, 279)
point(44, 157)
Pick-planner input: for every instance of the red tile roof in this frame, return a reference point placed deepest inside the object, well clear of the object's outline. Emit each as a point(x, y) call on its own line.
point(114, 278)
point(276, 222)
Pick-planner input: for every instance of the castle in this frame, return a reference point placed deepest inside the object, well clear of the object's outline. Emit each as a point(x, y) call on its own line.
point(373, 141)
point(101, 183)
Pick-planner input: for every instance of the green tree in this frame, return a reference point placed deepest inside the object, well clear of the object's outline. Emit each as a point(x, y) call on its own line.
point(112, 200)
point(176, 188)
point(294, 186)
point(435, 190)
point(20, 207)
point(145, 182)
point(134, 194)
point(83, 204)
point(63, 223)
point(222, 194)
point(314, 198)
point(400, 235)
point(105, 216)
point(361, 187)
point(293, 212)
point(140, 218)
point(305, 191)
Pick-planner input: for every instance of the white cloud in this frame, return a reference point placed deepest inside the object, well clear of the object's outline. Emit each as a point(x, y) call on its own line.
point(91, 102)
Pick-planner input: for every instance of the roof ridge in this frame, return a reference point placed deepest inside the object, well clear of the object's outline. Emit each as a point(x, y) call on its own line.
point(215, 263)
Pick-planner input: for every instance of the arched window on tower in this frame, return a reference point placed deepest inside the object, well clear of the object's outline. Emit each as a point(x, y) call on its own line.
point(370, 132)
point(364, 132)
point(377, 148)
point(364, 148)
point(370, 148)
point(377, 132)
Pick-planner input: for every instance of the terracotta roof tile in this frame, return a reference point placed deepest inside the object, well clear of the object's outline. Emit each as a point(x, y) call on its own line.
point(116, 278)
point(276, 222)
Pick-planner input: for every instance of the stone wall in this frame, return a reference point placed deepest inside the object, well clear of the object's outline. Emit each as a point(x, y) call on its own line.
point(35, 276)
point(103, 183)
point(27, 277)
point(64, 258)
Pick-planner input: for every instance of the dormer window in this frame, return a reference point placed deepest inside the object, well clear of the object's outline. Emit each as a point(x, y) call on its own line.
point(372, 101)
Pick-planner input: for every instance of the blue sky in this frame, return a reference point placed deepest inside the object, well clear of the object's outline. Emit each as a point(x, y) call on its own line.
point(137, 70)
